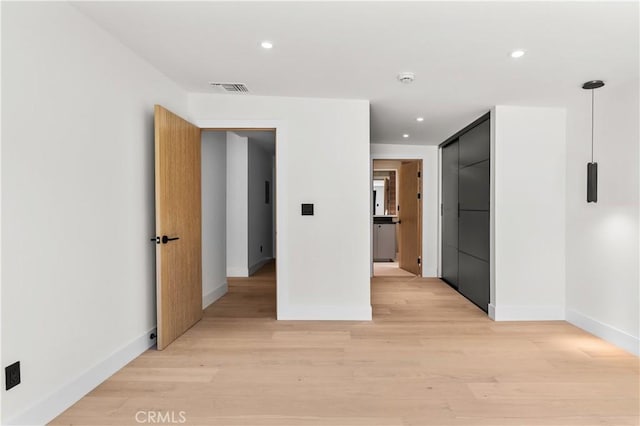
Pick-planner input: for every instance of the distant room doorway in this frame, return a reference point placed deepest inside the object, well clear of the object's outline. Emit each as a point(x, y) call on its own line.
point(397, 217)
point(239, 221)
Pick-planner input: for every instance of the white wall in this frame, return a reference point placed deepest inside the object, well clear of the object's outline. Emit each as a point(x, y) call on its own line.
point(78, 269)
point(260, 224)
point(528, 213)
point(430, 206)
point(323, 260)
point(237, 205)
point(214, 216)
point(2, 364)
point(602, 238)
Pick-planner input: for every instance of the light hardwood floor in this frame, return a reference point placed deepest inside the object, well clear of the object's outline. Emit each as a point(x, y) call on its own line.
point(430, 357)
point(389, 269)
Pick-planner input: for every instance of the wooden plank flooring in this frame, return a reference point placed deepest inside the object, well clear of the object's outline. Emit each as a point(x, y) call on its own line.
point(389, 269)
point(430, 357)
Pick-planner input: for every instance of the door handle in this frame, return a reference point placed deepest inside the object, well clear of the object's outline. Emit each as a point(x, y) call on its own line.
point(166, 239)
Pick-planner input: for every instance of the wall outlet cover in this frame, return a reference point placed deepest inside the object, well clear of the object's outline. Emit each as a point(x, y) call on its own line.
point(307, 210)
point(12, 375)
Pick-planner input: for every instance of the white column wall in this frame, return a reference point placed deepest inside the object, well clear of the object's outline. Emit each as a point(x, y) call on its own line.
point(260, 213)
point(528, 169)
point(237, 205)
point(214, 216)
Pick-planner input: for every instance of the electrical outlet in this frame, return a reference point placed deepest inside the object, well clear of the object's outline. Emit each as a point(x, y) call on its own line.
point(12, 375)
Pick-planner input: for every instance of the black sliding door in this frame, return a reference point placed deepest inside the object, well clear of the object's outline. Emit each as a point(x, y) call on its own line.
point(473, 229)
point(465, 224)
point(450, 214)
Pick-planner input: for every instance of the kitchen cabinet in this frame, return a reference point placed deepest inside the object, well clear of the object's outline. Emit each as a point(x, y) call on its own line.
point(384, 242)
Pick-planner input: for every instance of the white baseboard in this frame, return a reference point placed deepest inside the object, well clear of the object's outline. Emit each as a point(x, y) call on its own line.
point(324, 313)
point(237, 272)
point(52, 405)
point(214, 295)
point(526, 313)
point(492, 311)
point(604, 331)
point(259, 264)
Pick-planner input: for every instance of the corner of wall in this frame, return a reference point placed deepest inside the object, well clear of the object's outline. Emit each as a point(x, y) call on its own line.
point(526, 313)
point(213, 295)
point(492, 211)
point(259, 264)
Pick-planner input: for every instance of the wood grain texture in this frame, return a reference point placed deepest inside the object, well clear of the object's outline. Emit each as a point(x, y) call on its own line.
point(389, 269)
point(178, 214)
point(429, 357)
point(387, 164)
point(410, 217)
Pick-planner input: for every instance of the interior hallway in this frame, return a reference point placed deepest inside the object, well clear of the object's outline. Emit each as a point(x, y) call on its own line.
point(429, 357)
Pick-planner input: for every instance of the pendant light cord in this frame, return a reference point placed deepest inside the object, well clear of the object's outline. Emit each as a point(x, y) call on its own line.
point(592, 125)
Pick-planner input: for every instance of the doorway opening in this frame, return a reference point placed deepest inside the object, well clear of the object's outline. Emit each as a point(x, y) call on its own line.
point(397, 218)
point(239, 221)
point(205, 213)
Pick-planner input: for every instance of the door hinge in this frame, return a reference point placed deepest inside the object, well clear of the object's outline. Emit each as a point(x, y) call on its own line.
point(418, 195)
point(418, 174)
point(418, 260)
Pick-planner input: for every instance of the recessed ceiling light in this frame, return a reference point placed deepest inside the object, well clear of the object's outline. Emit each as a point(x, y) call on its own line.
point(266, 44)
point(519, 53)
point(406, 135)
point(420, 119)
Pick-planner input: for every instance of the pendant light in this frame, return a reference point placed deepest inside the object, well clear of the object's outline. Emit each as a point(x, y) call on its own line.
point(592, 167)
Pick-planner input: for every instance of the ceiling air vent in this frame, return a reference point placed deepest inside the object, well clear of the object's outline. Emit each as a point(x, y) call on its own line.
point(231, 87)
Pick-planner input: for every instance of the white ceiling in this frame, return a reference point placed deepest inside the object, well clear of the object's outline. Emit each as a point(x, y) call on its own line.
point(459, 52)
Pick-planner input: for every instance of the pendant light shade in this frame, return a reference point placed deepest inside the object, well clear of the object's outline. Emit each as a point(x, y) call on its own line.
point(592, 182)
point(592, 167)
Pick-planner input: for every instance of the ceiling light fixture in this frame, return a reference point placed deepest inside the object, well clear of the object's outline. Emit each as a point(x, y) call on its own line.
point(406, 77)
point(266, 44)
point(519, 53)
point(592, 167)
point(406, 135)
point(420, 119)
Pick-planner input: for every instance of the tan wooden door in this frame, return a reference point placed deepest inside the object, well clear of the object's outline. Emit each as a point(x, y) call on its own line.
point(178, 225)
point(409, 215)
